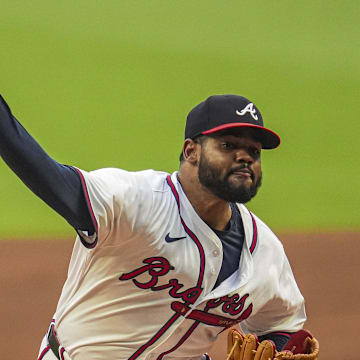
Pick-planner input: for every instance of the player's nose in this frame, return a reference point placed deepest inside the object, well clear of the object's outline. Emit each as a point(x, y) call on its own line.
point(243, 156)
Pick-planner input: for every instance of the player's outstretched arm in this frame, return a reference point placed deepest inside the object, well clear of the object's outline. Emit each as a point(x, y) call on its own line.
point(58, 185)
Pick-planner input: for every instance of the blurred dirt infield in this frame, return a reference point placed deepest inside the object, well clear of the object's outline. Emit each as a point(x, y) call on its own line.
point(326, 267)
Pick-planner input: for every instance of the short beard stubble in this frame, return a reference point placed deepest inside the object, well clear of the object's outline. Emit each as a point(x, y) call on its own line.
point(211, 178)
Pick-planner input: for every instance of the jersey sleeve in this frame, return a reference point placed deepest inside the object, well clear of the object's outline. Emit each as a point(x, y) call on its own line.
point(284, 312)
point(118, 201)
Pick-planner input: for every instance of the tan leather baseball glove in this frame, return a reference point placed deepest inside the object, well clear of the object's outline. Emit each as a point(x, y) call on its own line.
point(301, 346)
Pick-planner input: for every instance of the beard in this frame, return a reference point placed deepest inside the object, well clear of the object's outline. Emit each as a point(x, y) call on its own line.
point(220, 185)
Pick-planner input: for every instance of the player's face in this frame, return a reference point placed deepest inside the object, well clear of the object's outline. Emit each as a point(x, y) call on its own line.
point(230, 167)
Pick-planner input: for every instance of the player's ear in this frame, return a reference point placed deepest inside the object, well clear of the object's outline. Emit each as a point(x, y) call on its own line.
point(190, 151)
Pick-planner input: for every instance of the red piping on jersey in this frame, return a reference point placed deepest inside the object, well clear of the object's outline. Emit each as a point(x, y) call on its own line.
point(183, 338)
point(155, 338)
point(44, 352)
point(255, 234)
point(87, 198)
point(205, 317)
point(201, 251)
point(62, 353)
point(174, 191)
point(181, 341)
point(190, 233)
point(93, 218)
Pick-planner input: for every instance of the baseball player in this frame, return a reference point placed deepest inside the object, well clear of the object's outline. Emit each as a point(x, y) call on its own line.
point(163, 263)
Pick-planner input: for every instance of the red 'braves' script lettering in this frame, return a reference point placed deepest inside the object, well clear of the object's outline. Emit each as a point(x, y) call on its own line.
point(232, 305)
point(156, 267)
point(189, 295)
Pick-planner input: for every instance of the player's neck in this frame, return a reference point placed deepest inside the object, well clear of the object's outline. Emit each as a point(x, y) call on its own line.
point(212, 210)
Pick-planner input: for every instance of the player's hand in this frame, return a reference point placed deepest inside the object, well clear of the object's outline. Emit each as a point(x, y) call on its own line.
point(301, 346)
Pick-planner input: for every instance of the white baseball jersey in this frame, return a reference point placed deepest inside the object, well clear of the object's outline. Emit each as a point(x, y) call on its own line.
point(143, 289)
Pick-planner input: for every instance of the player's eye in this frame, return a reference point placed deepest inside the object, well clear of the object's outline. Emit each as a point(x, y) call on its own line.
point(255, 152)
point(227, 145)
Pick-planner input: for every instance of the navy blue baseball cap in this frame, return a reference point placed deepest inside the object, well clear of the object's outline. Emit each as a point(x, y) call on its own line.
point(222, 112)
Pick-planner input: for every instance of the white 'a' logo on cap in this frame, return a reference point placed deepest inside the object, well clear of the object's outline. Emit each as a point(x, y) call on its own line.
point(249, 108)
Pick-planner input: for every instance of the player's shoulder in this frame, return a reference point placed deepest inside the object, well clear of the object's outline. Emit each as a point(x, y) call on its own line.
point(154, 179)
point(149, 179)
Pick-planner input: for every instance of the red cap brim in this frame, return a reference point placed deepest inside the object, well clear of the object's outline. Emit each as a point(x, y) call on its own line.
point(268, 138)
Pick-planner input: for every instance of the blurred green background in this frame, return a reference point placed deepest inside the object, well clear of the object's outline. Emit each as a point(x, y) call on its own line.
point(109, 84)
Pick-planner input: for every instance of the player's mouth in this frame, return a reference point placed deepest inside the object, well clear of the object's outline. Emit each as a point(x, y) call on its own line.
point(243, 172)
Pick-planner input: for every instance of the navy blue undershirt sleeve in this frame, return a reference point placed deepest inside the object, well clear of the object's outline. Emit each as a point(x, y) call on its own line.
point(56, 184)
